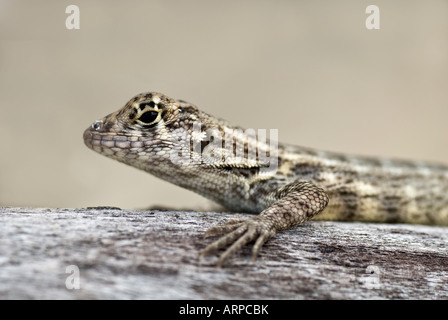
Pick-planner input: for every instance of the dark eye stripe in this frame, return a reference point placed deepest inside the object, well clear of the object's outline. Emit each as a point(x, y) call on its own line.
point(143, 105)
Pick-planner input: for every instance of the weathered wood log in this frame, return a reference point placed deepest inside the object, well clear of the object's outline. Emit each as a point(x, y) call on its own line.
point(107, 253)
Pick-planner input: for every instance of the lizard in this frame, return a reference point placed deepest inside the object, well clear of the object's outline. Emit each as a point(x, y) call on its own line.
point(160, 135)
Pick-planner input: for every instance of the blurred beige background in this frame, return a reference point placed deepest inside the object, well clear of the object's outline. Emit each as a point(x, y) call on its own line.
point(309, 68)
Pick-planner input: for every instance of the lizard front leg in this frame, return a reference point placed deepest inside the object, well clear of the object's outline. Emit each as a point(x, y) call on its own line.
point(295, 203)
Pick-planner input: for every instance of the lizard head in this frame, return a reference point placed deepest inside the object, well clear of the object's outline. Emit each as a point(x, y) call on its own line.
point(143, 132)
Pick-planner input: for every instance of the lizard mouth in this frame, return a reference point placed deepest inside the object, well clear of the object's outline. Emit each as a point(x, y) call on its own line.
point(88, 137)
point(95, 136)
point(103, 141)
point(115, 144)
point(95, 139)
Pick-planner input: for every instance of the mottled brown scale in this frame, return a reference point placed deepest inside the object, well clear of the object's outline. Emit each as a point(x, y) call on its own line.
point(305, 183)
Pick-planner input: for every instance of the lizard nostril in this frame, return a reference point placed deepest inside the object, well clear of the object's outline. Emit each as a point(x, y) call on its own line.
point(97, 125)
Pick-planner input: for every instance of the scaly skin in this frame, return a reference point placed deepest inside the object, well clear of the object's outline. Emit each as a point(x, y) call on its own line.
point(152, 132)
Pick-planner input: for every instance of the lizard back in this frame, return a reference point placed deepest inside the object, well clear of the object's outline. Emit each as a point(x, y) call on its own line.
point(373, 189)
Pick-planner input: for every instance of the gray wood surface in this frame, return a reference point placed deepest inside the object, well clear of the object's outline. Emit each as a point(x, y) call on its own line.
point(123, 254)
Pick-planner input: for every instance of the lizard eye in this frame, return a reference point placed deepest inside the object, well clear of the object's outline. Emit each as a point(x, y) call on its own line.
point(150, 118)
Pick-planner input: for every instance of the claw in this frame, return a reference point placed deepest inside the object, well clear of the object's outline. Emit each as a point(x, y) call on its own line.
point(223, 242)
point(245, 239)
point(258, 244)
point(222, 229)
point(235, 220)
point(238, 234)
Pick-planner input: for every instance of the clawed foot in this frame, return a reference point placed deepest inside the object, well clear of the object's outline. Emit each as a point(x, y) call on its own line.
point(238, 233)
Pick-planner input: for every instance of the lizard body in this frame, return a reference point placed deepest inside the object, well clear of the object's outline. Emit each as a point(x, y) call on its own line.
point(157, 134)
